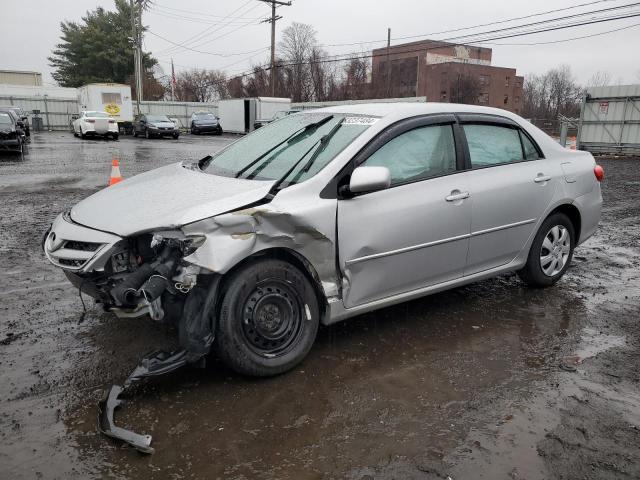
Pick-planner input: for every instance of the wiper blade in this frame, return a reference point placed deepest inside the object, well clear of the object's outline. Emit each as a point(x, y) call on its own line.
point(286, 140)
point(321, 144)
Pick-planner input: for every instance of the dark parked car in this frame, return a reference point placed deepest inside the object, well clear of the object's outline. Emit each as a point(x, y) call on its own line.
point(11, 135)
point(153, 125)
point(203, 122)
point(22, 117)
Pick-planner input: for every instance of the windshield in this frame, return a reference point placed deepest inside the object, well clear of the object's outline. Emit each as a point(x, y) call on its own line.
point(157, 118)
point(97, 114)
point(205, 116)
point(279, 145)
point(5, 119)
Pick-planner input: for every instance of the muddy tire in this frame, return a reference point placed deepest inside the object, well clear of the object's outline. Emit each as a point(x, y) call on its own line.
point(551, 252)
point(268, 319)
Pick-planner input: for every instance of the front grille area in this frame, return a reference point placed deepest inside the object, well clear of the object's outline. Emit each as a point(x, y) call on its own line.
point(82, 246)
point(70, 254)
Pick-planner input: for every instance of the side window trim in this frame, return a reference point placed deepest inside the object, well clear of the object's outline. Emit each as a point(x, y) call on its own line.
point(525, 134)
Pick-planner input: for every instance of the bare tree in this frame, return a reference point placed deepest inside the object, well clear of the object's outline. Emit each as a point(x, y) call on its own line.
point(201, 86)
point(296, 47)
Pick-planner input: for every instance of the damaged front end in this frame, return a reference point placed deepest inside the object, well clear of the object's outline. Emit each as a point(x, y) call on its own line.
point(134, 276)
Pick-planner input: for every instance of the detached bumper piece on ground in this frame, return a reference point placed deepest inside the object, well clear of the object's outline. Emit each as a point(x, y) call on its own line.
point(153, 365)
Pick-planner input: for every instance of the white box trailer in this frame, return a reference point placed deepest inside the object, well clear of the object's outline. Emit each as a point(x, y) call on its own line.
point(240, 115)
point(113, 98)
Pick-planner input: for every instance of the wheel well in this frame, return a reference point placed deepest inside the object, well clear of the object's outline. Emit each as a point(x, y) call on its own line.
point(296, 260)
point(574, 215)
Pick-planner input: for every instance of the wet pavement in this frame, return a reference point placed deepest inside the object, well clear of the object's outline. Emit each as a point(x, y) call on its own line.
point(492, 380)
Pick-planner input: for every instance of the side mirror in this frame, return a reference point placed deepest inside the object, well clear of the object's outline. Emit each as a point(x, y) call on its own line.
point(24, 119)
point(369, 179)
point(20, 123)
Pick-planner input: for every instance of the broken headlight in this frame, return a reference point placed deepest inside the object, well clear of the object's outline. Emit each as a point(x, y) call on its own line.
point(186, 244)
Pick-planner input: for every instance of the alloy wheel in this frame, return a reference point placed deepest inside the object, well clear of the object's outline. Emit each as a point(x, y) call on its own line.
point(555, 250)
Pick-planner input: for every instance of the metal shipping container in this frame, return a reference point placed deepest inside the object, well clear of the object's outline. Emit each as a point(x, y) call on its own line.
point(610, 120)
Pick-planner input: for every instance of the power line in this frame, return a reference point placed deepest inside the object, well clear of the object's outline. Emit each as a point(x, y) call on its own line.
point(174, 16)
point(274, 4)
point(198, 36)
point(499, 22)
point(224, 55)
point(200, 14)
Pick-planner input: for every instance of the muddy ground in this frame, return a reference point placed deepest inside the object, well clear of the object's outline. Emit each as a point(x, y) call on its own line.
point(493, 380)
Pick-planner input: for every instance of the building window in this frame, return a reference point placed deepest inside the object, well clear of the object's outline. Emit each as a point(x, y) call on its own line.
point(506, 82)
point(517, 99)
point(518, 83)
point(506, 99)
point(483, 98)
point(443, 95)
point(485, 80)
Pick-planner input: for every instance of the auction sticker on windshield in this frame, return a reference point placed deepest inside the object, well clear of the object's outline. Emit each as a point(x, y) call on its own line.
point(359, 120)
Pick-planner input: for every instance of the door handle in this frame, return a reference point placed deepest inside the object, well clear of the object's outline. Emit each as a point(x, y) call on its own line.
point(542, 178)
point(457, 196)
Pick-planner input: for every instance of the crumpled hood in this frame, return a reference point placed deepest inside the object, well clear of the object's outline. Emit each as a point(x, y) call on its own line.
point(166, 197)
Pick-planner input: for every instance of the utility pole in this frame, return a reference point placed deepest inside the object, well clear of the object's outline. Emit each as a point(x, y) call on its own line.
point(388, 63)
point(136, 26)
point(273, 20)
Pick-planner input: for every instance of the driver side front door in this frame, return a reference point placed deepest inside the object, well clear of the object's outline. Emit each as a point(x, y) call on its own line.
point(415, 233)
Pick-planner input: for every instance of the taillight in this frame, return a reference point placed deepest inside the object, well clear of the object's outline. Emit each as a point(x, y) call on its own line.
point(90, 121)
point(598, 171)
point(112, 121)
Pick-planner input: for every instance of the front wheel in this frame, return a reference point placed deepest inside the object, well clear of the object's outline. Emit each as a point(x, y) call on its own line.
point(147, 135)
point(175, 136)
point(551, 252)
point(268, 320)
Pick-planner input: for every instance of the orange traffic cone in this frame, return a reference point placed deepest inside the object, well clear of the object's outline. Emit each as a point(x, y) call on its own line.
point(115, 172)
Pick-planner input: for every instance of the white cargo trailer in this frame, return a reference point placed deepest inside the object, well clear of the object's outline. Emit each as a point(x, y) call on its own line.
point(113, 98)
point(240, 115)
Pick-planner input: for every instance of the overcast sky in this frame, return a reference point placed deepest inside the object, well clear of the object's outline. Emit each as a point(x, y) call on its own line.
point(31, 29)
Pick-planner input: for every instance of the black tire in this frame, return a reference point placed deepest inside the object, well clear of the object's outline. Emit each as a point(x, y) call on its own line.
point(532, 273)
point(135, 133)
point(82, 134)
point(194, 131)
point(176, 136)
point(115, 137)
point(147, 135)
point(268, 320)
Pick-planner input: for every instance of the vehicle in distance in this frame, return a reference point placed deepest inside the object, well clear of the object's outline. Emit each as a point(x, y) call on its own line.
point(154, 125)
point(327, 214)
point(95, 124)
point(22, 116)
point(11, 136)
point(205, 122)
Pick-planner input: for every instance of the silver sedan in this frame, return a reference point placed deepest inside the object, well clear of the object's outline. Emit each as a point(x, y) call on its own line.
point(327, 214)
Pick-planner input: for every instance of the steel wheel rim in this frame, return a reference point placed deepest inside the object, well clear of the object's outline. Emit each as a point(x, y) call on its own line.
point(555, 250)
point(272, 318)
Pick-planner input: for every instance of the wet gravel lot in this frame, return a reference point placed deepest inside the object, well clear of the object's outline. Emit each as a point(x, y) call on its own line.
point(492, 380)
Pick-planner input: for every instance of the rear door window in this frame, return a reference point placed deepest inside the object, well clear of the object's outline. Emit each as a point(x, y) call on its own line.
point(492, 145)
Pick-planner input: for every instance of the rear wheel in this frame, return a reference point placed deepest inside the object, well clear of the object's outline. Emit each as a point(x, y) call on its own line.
point(268, 320)
point(176, 135)
point(551, 252)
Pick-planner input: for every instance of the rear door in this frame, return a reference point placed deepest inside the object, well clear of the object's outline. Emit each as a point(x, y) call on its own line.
point(415, 233)
point(511, 185)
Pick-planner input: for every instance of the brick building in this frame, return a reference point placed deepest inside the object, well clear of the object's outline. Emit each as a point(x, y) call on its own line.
point(445, 72)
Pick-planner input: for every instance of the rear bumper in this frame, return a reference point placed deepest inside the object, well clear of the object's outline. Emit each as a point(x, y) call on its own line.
point(590, 207)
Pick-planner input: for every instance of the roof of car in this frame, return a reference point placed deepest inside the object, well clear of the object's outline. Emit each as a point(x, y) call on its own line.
point(413, 108)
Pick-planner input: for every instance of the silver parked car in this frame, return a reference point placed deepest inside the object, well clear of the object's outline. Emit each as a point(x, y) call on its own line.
point(327, 214)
